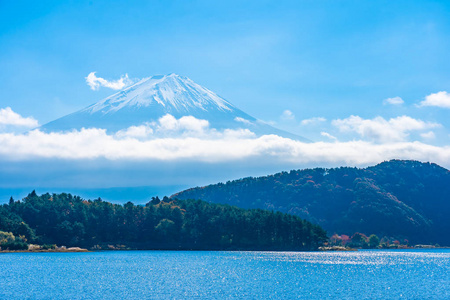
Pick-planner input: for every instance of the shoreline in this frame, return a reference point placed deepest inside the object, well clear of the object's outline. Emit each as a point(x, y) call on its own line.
point(58, 250)
point(82, 250)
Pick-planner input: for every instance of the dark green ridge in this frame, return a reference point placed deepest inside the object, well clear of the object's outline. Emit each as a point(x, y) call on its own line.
point(398, 198)
point(63, 219)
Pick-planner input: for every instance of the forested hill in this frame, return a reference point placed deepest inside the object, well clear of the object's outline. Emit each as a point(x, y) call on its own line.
point(401, 199)
point(68, 220)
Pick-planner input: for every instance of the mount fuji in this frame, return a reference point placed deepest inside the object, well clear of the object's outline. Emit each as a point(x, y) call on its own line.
point(152, 98)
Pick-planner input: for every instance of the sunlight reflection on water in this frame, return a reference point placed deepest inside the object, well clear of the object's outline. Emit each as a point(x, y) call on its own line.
point(226, 275)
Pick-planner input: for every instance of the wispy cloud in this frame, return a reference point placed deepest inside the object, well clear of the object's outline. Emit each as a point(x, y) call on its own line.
point(326, 134)
point(242, 120)
point(287, 115)
point(96, 82)
point(313, 121)
point(440, 99)
point(10, 118)
point(393, 101)
point(382, 130)
point(428, 135)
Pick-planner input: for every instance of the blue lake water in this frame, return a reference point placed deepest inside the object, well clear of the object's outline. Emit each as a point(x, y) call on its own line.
point(226, 275)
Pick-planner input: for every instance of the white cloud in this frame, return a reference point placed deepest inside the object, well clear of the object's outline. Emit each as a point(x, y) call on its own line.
point(242, 120)
point(312, 121)
point(232, 146)
point(190, 124)
point(139, 132)
point(440, 99)
point(428, 135)
point(194, 141)
point(96, 82)
point(287, 115)
point(393, 101)
point(10, 118)
point(381, 130)
point(187, 126)
point(236, 134)
point(326, 134)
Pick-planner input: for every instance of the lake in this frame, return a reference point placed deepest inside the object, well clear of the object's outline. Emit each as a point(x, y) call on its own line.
point(370, 274)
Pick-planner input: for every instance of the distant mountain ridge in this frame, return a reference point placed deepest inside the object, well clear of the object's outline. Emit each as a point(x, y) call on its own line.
point(151, 98)
point(402, 199)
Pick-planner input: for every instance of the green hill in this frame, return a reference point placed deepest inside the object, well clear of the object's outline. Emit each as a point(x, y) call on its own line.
point(401, 199)
point(68, 220)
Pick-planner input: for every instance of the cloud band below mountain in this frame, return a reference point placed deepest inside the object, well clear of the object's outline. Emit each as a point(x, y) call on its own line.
point(226, 147)
point(188, 151)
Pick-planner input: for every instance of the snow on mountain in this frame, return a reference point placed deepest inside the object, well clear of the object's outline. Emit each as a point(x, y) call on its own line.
point(152, 98)
point(175, 93)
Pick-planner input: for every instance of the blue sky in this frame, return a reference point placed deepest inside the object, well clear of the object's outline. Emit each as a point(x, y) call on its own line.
point(315, 58)
point(305, 66)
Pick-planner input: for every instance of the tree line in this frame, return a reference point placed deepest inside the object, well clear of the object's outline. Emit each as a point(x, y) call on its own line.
point(64, 219)
point(395, 199)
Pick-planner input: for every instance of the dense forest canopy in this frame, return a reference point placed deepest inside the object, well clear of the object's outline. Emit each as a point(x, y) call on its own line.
point(402, 199)
point(68, 220)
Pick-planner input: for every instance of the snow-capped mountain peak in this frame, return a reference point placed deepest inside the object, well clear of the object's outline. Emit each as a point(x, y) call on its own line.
point(173, 92)
point(152, 98)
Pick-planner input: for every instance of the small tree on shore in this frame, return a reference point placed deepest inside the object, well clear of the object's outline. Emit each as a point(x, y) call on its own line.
point(6, 237)
point(374, 241)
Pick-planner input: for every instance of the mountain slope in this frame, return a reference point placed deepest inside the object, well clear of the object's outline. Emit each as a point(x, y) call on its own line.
point(402, 199)
point(151, 98)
